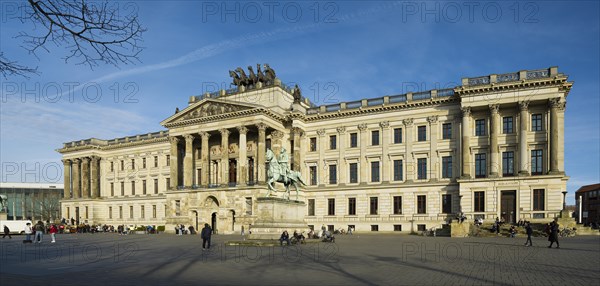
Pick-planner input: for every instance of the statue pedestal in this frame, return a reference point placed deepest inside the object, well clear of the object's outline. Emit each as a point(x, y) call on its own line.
point(3, 216)
point(276, 215)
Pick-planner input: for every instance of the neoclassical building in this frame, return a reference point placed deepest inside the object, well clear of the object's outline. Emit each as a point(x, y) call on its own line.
point(491, 147)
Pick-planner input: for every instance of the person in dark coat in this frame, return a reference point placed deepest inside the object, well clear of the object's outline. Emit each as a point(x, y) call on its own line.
point(529, 231)
point(6, 232)
point(284, 237)
point(553, 237)
point(205, 235)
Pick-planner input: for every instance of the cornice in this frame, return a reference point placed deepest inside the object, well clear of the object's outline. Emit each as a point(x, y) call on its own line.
point(221, 117)
point(560, 81)
point(114, 146)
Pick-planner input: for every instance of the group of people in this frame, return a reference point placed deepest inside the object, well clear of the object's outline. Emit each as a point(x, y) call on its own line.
point(181, 230)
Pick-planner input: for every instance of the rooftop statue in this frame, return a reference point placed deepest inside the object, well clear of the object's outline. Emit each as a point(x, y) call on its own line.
point(265, 76)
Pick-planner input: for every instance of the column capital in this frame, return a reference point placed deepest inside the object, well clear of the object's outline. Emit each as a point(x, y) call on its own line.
point(174, 139)
point(224, 132)
point(95, 159)
point(297, 131)
point(261, 126)
point(523, 105)
point(189, 138)
point(66, 161)
point(407, 122)
point(242, 129)
point(321, 132)
point(362, 127)
point(557, 103)
point(204, 135)
point(432, 119)
point(494, 108)
point(86, 160)
point(384, 124)
point(277, 134)
point(76, 161)
point(466, 111)
point(341, 129)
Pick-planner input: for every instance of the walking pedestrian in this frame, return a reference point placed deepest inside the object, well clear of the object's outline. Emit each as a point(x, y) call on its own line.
point(529, 232)
point(53, 231)
point(28, 231)
point(243, 233)
point(205, 235)
point(6, 232)
point(553, 237)
point(39, 231)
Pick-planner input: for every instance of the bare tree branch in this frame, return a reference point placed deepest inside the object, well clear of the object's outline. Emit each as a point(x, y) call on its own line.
point(93, 32)
point(10, 68)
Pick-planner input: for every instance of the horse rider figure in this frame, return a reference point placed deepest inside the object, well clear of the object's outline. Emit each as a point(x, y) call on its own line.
point(284, 158)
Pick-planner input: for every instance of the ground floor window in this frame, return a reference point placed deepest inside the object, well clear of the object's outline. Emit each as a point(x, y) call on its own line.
point(397, 227)
point(374, 227)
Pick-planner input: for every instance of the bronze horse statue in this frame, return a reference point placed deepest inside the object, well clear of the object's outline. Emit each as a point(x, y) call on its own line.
point(275, 174)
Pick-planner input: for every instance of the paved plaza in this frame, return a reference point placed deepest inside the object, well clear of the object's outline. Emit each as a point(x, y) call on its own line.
point(360, 259)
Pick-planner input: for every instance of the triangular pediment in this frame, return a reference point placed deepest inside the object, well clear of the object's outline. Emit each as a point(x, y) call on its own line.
point(208, 108)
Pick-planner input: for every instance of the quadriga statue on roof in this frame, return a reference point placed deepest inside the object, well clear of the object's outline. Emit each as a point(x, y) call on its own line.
point(265, 76)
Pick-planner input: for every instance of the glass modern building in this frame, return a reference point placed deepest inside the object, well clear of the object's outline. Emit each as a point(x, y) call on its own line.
point(32, 200)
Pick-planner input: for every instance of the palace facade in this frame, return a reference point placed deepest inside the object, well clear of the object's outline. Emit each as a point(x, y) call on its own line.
point(492, 147)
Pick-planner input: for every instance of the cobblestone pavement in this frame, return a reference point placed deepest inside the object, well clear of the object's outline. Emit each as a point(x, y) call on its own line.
point(360, 259)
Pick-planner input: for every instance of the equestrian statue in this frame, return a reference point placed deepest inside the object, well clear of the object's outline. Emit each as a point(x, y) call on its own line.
point(280, 172)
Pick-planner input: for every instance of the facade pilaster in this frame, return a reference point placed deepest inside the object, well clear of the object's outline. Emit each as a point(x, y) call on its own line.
point(557, 108)
point(297, 155)
point(204, 153)
point(385, 142)
point(494, 131)
point(342, 170)
point(322, 172)
point(433, 138)
point(95, 177)
point(174, 170)
point(242, 174)
point(85, 178)
point(76, 178)
point(465, 144)
point(224, 156)
point(408, 156)
point(523, 124)
point(188, 161)
point(261, 153)
point(67, 178)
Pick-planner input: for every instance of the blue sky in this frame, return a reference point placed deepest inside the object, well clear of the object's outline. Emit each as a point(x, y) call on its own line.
point(346, 51)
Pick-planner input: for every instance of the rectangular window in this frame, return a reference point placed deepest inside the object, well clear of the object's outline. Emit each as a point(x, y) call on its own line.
point(374, 227)
point(143, 187)
point(112, 166)
point(133, 188)
point(168, 183)
point(155, 161)
point(122, 188)
point(153, 211)
point(168, 163)
point(397, 227)
point(332, 174)
point(112, 189)
point(397, 205)
point(177, 207)
point(375, 137)
point(538, 200)
point(130, 212)
point(422, 133)
point(333, 142)
point(447, 131)
point(446, 204)
point(373, 205)
point(422, 169)
point(144, 163)
point(421, 204)
point(353, 172)
point(142, 212)
point(313, 175)
point(330, 206)
point(508, 164)
point(122, 165)
point(109, 212)
point(249, 206)
point(480, 127)
point(155, 186)
point(132, 164)
point(313, 144)
point(480, 165)
point(375, 171)
point(311, 207)
point(353, 140)
point(447, 167)
point(536, 162)
point(120, 212)
point(479, 202)
point(536, 122)
point(398, 170)
point(86, 213)
point(397, 135)
point(351, 206)
point(507, 125)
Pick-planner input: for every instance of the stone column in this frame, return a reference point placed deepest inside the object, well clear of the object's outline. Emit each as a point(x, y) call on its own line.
point(556, 141)
point(76, 178)
point(342, 170)
point(297, 135)
point(242, 174)
point(523, 122)
point(67, 179)
point(433, 139)
point(466, 150)
point(188, 161)
point(174, 162)
point(224, 156)
point(494, 130)
point(363, 153)
point(385, 141)
point(408, 156)
point(261, 153)
point(95, 177)
point(204, 153)
point(85, 178)
point(322, 171)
